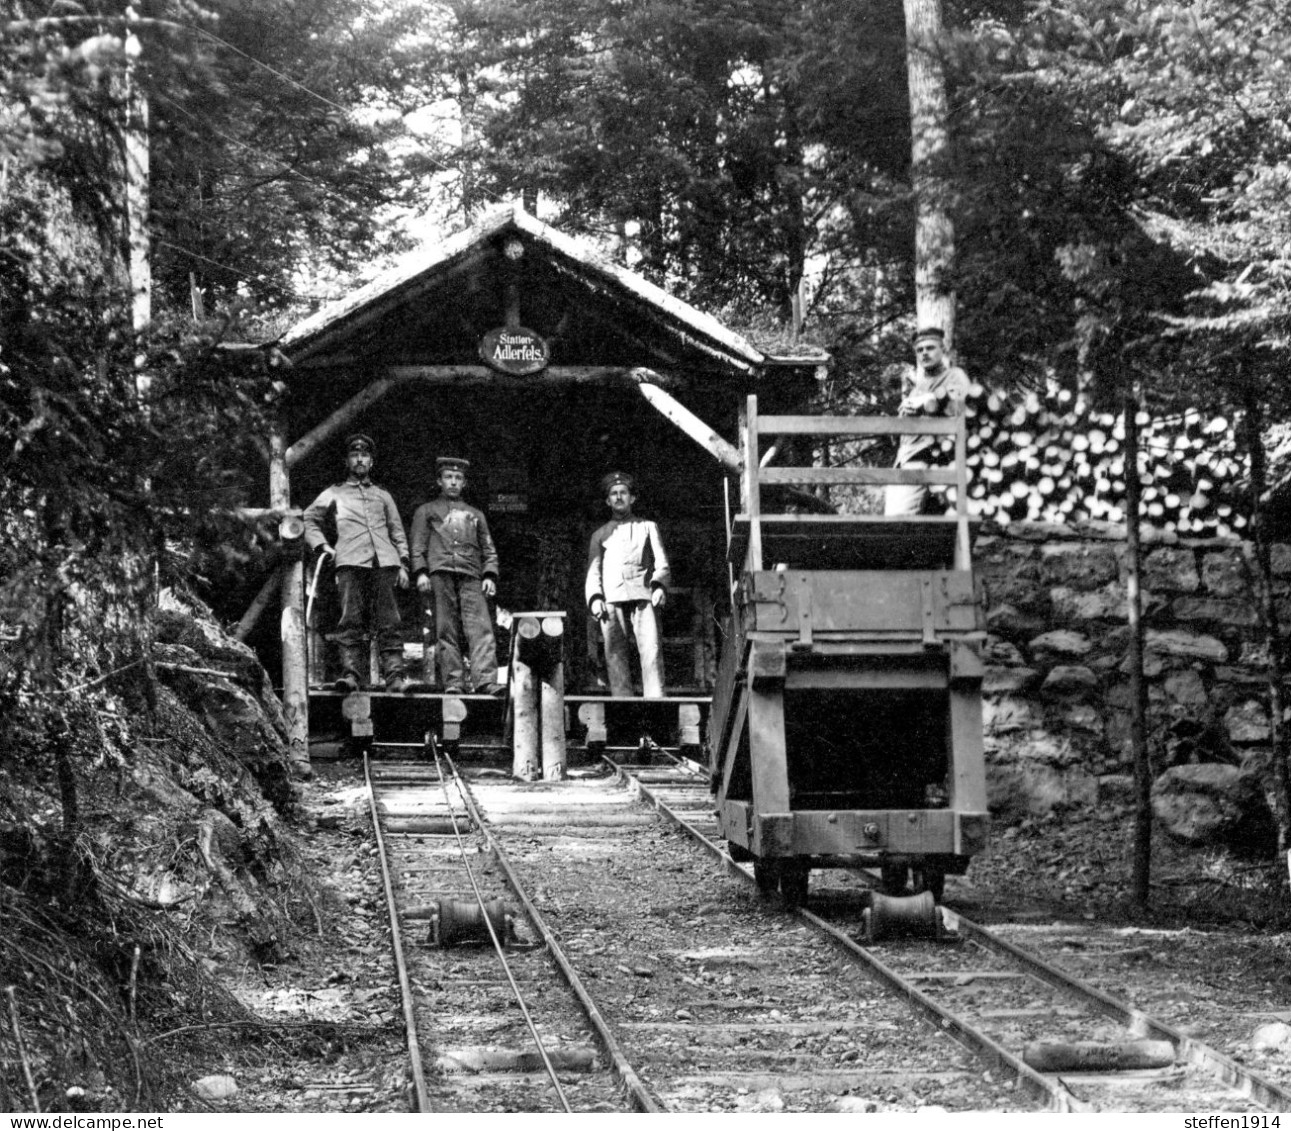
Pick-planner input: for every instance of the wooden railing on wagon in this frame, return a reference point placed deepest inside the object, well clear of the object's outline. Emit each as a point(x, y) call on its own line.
point(757, 540)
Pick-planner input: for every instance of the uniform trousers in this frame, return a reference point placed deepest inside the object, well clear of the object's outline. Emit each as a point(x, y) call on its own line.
point(639, 618)
point(368, 606)
point(904, 499)
point(461, 609)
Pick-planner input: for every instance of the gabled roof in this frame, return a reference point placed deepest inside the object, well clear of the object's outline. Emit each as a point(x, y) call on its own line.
point(432, 308)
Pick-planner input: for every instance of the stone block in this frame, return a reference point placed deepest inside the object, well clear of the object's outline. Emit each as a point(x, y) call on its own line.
point(1190, 645)
point(1002, 653)
point(1070, 681)
point(1016, 582)
point(1048, 748)
point(1153, 664)
point(1008, 622)
point(1009, 681)
point(1228, 613)
point(1015, 792)
point(1060, 643)
point(1187, 690)
point(1212, 804)
point(1224, 573)
point(1039, 531)
point(1083, 718)
point(1008, 714)
point(1078, 565)
point(1172, 569)
point(1098, 530)
point(1247, 722)
point(1107, 603)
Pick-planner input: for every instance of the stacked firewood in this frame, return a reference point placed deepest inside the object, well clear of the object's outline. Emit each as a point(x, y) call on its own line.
point(1050, 458)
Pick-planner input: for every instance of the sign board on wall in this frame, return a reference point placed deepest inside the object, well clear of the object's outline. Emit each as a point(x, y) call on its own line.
point(515, 350)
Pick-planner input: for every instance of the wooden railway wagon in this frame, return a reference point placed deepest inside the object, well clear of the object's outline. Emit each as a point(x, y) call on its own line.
point(846, 725)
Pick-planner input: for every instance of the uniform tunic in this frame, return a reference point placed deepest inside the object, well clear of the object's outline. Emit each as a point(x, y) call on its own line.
point(370, 547)
point(451, 543)
point(625, 563)
point(942, 394)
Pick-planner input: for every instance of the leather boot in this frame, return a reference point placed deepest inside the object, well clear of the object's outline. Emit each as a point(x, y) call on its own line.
point(392, 671)
point(354, 659)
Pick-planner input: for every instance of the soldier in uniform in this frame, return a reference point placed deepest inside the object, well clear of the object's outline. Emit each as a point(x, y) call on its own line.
point(454, 560)
point(934, 388)
point(370, 554)
point(627, 582)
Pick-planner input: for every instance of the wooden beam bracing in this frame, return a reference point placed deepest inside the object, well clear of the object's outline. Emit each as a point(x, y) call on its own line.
point(677, 413)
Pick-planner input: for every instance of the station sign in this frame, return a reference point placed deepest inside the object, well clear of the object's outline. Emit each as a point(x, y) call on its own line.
point(515, 350)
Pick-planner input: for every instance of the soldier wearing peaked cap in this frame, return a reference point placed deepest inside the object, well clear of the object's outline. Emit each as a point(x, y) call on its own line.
point(627, 583)
point(455, 561)
point(371, 556)
point(933, 388)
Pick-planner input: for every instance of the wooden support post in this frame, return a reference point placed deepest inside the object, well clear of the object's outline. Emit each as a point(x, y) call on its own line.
point(677, 413)
point(538, 695)
point(295, 674)
point(317, 651)
point(356, 709)
point(688, 725)
point(268, 591)
point(751, 489)
point(553, 723)
point(771, 763)
point(344, 415)
point(524, 699)
point(964, 740)
point(528, 634)
point(454, 714)
point(553, 699)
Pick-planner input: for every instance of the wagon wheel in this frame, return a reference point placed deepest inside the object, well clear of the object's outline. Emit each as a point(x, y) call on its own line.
point(931, 880)
point(893, 878)
point(767, 875)
point(793, 884)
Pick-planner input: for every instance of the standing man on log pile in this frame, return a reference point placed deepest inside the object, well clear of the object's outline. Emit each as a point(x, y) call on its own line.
point(933, 388)
point(454, 559)
point(627, 581)
point(371, 555)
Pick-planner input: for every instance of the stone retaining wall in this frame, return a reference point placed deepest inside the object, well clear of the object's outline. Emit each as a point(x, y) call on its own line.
point(1056, 692)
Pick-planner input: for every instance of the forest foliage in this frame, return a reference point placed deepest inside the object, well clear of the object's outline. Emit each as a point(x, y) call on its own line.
point(1119, 173)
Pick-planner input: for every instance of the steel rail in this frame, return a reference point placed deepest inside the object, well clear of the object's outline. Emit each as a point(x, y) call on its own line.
point(1052, 1091)
point(639, 1095)
point(421, 1094)
point(1195, 1052)
point(488, 922)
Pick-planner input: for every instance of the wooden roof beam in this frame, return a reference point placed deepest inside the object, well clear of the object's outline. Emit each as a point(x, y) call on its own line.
point(678, 414)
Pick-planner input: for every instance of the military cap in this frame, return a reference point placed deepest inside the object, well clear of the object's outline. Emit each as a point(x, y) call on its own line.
point(929, 332)
point(358, 440)
point(614, 478)
point(443, 463)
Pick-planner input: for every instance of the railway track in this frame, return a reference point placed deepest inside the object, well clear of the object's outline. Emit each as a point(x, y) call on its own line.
point(999, 998)
point(654, 981)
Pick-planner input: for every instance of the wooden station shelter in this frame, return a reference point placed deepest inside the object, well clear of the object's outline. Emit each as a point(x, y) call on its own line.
point(528, 353)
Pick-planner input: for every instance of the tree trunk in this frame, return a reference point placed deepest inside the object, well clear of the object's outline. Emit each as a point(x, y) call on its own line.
point(934, 240)
point(1142, 880)
point(1253, 431)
